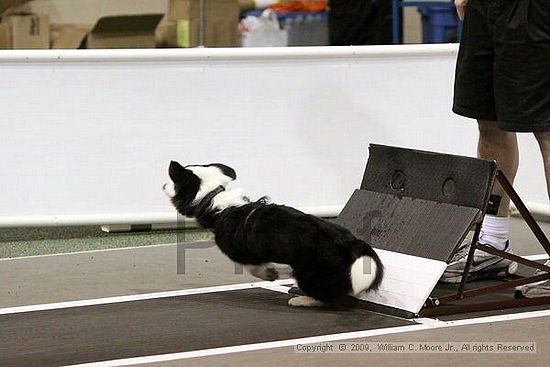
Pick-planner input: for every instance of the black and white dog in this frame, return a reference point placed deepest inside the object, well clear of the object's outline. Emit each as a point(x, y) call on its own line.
point(328, 262)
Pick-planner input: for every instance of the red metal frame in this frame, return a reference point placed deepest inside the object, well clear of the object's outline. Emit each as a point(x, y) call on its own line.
point(443, 305)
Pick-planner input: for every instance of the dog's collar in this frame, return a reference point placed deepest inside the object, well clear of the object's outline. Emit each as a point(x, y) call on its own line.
point(249, 215)
point(243, 230)
point(205, 202)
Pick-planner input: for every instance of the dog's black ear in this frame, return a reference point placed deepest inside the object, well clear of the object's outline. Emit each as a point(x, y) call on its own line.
point(178, 173)
point(226, 170)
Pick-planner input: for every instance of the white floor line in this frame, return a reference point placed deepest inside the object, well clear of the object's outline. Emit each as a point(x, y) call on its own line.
point(425, 324)
point(486, 319)
point(136, 297)
point(281, 287)
point(89, 252)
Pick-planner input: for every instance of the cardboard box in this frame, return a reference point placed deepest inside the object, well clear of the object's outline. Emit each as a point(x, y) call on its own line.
point(5, 36)
point(68, 37)
point(221, 22)
point(247, 5)
point(8, 5)
point(166, 34)
point(29, 31)
point(184, 9)
point(126, 31)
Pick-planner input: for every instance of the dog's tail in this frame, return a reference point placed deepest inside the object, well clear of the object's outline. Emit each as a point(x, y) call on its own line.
point(367, 269)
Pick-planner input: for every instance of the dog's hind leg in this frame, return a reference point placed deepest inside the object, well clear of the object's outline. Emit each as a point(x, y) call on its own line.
point(304, 301)
point(263, 271)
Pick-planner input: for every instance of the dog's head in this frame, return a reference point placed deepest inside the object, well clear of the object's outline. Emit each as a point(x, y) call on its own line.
point(193, 184)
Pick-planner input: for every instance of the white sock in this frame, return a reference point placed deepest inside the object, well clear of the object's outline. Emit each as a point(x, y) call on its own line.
point(494, 231)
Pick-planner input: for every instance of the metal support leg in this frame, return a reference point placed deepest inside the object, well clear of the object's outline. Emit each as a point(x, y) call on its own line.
point(469, 262)
point(445, 305)
point(531, 222)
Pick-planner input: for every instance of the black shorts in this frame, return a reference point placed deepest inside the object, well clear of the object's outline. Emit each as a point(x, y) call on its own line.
point(503, 66)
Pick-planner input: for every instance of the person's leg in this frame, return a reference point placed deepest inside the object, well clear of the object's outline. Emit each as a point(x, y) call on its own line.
point(543, 138)
point(521, 80)
point(500, 146)
point(541, 289)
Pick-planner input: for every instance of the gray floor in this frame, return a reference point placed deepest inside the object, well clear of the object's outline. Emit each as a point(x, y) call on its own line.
point(104, 273)
point(528, 330)
point(147, 269)
point(170, 325)
point(109, 273)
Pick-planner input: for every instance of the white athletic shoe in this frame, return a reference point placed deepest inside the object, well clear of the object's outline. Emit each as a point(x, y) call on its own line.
point(537, 289)
point(484, 266)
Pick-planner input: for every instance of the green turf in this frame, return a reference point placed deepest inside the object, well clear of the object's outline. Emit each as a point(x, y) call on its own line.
point(52, 240)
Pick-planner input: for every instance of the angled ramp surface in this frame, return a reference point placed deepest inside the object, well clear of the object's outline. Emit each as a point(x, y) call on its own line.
point(406, 225)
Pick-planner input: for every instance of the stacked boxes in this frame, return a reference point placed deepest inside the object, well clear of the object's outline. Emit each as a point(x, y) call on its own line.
point(221, 19)
point(188, 23)
point(25, 31)
point(124, 31)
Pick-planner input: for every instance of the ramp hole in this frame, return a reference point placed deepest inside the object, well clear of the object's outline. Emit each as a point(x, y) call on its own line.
point(449, 188)
point(398, 180)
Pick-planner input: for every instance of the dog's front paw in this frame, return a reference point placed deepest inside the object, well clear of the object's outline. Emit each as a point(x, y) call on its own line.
point(263, 272)
point(270, 274)
point(304, 301)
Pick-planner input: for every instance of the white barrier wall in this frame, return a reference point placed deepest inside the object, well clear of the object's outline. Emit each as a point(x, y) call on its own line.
point(87, 135)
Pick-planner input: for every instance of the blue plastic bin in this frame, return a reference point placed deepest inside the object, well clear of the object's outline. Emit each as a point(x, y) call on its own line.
point(439, 24)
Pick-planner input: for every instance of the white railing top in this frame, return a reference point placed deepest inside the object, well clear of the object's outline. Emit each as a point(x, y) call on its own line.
point(223, 54)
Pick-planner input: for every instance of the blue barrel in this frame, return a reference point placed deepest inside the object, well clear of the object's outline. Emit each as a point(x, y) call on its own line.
point(439, 24)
